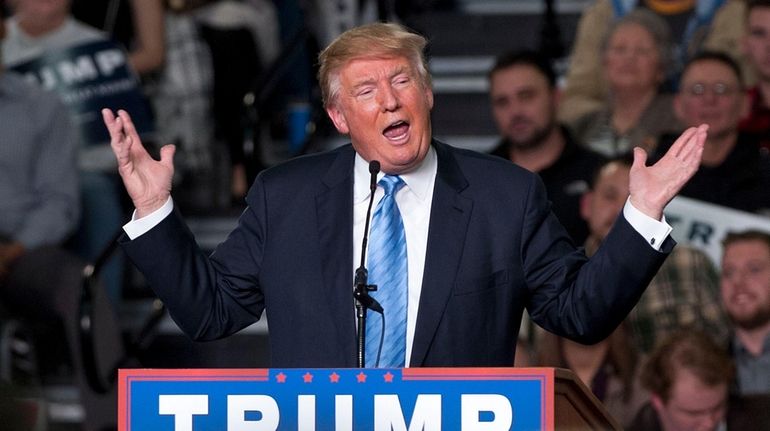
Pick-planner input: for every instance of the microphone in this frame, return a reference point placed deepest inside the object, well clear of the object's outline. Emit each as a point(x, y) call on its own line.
point(361, 291)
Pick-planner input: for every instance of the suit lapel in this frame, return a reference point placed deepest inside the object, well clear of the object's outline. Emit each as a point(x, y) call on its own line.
point(450, 214)
point(334, 208)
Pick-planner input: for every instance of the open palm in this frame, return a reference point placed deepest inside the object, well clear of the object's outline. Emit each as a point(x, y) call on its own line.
point(147, 181)
point(652, 187)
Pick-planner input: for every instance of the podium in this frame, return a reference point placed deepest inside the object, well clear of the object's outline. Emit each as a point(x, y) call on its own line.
point(429, 399)
point(576, 407)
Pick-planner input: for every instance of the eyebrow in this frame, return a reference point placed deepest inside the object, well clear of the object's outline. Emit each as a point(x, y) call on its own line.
point(370, 81)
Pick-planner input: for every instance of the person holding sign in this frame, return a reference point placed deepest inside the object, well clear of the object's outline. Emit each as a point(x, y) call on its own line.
point(476, 240)
point(88, 71)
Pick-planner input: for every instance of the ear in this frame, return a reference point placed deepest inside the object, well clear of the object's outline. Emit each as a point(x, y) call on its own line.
point(338, 118)
point(429, 97)
point(585, 205)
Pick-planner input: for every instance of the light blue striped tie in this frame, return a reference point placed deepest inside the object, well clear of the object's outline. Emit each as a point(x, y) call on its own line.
point(388, 270)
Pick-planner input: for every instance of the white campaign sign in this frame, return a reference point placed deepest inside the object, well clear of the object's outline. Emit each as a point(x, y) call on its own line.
point(704, 225)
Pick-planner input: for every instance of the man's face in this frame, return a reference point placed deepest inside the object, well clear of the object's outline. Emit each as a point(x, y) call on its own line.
point(385, 108)
point(692, 406)
point(746, 283)
point(710, 93)
point(601, 206)
point(631, 59)
point(523, 104)
point(756, 43)
point(42, 9)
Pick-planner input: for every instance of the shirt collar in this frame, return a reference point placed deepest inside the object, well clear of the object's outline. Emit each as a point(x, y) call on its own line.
point(739, 348)
point(417, 180)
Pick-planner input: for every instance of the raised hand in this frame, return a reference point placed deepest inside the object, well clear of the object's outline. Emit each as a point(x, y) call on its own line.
point(147, 181)
point(652, 187)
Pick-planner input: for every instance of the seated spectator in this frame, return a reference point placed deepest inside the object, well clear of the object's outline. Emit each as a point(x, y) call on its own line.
point(746, 297)
point(705, 24)
point(757, 48)
point(34, 29)
point(39, 182)
point(41, 283)
point(733, 172)
point(635, 58)
point(684, 292)
point(688, 377)
point(522, 91)
point(608, 368)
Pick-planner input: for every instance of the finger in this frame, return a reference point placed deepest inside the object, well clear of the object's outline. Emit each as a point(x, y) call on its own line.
point(108, 116)
point(691, 153)
point(128, 126)
point(683, 139)
point(640, 158)
point(694, 160)
point(113, 126)
point(167, 155)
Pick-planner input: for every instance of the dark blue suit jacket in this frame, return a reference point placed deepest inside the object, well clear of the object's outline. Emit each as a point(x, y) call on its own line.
point(494, 248)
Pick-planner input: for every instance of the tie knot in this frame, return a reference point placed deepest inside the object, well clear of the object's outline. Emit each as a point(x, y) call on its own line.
point(391, 184)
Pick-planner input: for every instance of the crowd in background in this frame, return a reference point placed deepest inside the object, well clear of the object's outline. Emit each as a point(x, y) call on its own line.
point(695, 352)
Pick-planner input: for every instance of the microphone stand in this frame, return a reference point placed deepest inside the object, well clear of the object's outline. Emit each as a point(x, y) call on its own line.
point(361, 286)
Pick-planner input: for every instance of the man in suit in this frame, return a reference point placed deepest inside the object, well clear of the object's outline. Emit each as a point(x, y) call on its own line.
point(481, 241)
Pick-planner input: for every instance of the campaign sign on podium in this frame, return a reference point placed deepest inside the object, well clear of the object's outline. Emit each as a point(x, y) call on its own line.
point(429, 399)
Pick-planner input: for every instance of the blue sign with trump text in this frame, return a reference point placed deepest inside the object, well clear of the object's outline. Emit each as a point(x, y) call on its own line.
point(87, 78)
point(429, 399)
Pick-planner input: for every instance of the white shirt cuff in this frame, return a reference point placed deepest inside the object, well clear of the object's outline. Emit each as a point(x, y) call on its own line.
point(137, 227)
point(653, 231)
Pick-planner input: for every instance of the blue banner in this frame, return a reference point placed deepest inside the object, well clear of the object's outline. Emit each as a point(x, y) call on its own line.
point(89, 77)
point(429, 399)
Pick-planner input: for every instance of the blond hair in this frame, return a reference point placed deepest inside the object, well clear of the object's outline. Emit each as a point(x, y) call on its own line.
point(376, 40)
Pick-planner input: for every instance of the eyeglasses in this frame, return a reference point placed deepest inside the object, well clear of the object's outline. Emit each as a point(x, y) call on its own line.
point(718, 89)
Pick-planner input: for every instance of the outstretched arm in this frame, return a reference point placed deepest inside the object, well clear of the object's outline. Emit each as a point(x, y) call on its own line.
point(652, 187)
point(147, 181)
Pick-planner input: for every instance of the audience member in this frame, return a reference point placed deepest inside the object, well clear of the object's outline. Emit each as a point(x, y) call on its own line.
point(705, 24)
point(38, 26)
point(688, 377)
point(246, 34)
point(756, 46)
point(684, 292)
point(608, 368)
point(635, 57)
point(39, 182)
point(35, 28)
point(41, 283)
point(746, 297)
point(181, 94)
point(137, 24)
point(733, 172)
point(524, 99)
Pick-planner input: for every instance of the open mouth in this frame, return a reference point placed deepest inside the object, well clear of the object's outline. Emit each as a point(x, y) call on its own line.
point(396, 131)
point(743, 298)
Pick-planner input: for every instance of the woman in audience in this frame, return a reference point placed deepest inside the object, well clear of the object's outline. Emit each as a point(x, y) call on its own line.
point(694, 26)
point(635, 57)
point(608, 368)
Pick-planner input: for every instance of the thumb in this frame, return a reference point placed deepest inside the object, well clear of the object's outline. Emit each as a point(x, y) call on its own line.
point(167, 155)
point(640, 158)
